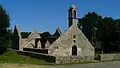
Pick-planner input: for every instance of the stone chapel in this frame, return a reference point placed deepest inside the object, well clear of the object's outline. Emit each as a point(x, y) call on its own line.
point(68, 47)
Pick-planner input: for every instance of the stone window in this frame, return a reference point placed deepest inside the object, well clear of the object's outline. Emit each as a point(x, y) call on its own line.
point(74, 50)
point(37, 43)
point(56, 47)
point(74, 36)
point(74, 41)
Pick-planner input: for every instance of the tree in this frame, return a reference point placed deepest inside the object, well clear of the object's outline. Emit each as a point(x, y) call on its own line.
point(103, 33)
point(4, 29)
point(89, 26)
point(106, 33)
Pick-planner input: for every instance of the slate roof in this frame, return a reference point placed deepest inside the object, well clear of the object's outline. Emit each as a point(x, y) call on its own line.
point(57, 33)
point(25, 34)
point(45, 36)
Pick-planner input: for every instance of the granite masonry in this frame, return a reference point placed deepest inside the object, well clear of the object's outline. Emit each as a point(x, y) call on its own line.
point(70, 46)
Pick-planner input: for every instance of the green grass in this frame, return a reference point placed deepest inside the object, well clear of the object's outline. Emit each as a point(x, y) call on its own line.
point(13, 57)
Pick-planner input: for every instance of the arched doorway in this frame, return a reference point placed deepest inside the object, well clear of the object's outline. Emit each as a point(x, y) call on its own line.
point(74, 50)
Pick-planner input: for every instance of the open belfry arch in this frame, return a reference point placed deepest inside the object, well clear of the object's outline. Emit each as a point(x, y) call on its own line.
point(67, 47)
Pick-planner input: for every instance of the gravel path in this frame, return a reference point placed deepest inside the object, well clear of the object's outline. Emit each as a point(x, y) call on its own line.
point(11, 65)
point(115, 64)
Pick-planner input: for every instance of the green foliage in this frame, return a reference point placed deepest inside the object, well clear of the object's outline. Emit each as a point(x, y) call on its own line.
point(4, 28)
point(25, 34)
point(103, 33)
point(89, 25)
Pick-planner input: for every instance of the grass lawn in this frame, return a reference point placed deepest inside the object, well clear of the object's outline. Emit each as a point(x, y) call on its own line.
point(13, 57)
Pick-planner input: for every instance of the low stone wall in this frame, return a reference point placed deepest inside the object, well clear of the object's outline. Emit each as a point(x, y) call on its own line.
point(72, 59)
point(57, 59)
point(109, 56)
point(41, 56)
point(45, 51)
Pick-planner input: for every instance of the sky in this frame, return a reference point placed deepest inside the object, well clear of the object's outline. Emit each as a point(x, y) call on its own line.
point(47, 15)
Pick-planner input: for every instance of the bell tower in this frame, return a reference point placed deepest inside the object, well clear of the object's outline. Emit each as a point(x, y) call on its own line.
point(71, 15)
